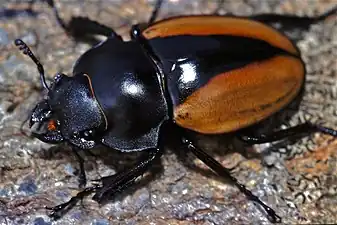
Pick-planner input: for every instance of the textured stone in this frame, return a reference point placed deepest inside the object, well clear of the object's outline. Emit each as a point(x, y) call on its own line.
point(300, 181)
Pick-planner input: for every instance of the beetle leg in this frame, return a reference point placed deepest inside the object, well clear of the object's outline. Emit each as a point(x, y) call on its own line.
point(291, 132)
point(78, 27)
point(155, 11)
point(118, 182)
point(59, 210)
point(224, 172)
point(110, 185)
point(292, 21)
point(82, 179)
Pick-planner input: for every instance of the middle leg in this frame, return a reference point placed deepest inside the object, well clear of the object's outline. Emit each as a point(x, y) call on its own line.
point(82, 27)
point(224, 172)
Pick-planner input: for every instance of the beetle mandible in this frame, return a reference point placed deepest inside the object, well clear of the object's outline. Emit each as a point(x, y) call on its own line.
point(208, 74)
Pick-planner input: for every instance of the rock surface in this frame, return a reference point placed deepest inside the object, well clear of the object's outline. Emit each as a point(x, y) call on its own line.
point(298, 180)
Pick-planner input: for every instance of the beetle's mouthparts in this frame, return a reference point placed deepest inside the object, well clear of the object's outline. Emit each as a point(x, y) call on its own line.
point(39, 118)
point(51, 137)
point(41, 113)
point(46, 129)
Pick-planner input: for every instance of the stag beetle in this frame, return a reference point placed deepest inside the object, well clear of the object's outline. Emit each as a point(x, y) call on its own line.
point(209, 74)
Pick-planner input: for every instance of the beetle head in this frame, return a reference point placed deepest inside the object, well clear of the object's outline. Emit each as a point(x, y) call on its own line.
point(69, 111)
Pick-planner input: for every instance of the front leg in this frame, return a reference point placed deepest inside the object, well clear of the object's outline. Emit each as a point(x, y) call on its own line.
point(82, 179)
point(110, 185)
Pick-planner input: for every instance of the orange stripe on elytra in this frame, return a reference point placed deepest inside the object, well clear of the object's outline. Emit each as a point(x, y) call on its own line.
point(242, 97)
point(208, 25)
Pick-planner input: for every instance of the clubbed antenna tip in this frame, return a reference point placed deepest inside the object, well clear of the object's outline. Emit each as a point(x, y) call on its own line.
point(25, 49)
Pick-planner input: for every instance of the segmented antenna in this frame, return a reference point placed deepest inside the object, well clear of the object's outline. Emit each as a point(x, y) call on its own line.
point(25, 49)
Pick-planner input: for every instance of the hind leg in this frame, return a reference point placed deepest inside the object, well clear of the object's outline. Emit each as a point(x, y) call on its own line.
point(289, 22)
